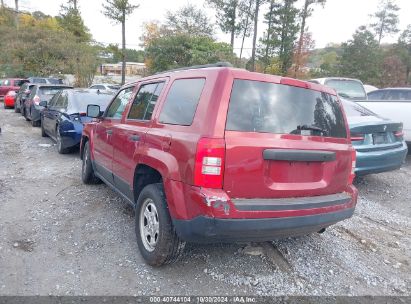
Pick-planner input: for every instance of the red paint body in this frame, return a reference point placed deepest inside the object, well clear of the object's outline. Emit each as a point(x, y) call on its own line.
point(171, 150)
point(9, 99)
point(12, 84)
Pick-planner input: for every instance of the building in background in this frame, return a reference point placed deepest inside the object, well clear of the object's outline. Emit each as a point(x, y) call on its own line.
point(132, 69)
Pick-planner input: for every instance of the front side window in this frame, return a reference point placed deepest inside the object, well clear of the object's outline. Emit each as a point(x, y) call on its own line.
point(265, 107)
point(145, 101)
point(181, 102)
point(116, 108)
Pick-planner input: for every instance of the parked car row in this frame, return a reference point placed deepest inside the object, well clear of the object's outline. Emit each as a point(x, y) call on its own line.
point(380, 142)
point(59, 110)
point(217, 154)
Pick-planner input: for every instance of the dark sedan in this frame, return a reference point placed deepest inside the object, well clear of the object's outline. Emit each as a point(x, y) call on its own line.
point(40, 92)
point(64, 115)
point(379, 142)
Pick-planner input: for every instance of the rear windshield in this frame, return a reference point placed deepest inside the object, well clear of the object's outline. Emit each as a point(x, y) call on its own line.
point(19, 83)
point(80, 100)
point(349, 89)
point(353, 109)
point(114, 87)
point(46, 93)
point(55, 81)
point(274, 108)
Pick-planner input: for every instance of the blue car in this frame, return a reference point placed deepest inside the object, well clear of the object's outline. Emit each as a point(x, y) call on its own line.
point(379, 142)
point(63, 116)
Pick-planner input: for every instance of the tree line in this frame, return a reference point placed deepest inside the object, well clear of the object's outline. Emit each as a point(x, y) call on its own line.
point(188, 37)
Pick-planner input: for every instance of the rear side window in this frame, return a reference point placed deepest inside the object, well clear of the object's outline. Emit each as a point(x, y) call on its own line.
point(145, 101)
point(181, 102)
point(274, 108)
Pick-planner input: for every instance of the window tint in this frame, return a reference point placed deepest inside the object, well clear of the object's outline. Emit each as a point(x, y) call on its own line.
point(116, 108)
point(273, 108)
point(61, 102)
point(376, 95)
point(145, 101)
point(181, 102)
point(19, 83)
point(53, 101)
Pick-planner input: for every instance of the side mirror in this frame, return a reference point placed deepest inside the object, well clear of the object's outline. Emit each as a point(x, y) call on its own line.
point(43, 103)
point(93, 111)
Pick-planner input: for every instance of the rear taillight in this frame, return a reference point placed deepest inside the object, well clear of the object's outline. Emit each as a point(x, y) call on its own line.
point(209, 163)
point(353, 164)
point(399, 134)
point(357, 137)
point(36, 100)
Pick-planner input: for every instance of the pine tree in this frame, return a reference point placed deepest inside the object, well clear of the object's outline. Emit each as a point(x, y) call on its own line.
point(117, 10)
point(386, 19)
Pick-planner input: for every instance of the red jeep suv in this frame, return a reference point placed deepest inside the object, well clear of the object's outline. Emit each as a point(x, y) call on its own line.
point(217, 154)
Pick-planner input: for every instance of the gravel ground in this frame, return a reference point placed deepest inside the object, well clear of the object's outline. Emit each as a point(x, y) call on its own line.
point(60, 237)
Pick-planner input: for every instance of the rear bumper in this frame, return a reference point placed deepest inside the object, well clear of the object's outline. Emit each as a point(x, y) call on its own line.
point(204, 229)
point(380, 161)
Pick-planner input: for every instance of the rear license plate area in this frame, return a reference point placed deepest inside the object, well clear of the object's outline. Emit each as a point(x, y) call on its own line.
point(379, 138)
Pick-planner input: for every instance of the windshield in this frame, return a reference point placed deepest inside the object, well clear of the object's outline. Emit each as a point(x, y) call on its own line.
point(350, 89)
point(46, 93)
point(273, 108)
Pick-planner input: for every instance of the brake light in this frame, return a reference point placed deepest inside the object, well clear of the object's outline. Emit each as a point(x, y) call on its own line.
point(209, 163)
point(36, 100)
point(353, 164)
point(399, 134)
point(357, 137)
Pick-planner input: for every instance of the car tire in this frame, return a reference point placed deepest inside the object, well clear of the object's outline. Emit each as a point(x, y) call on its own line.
point(156, 236)
point(87, 172)
point(43, 132)
point(25, 115)
point(35, 123)
point(16, 110)
point(59, 142)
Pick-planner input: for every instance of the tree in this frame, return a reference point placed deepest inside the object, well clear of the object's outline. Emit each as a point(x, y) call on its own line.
point(246, 19)
point(305, 13)
point(118, 10)
point(386, 19)
point(269, 42)
point(301, 57)
point(70, 19)
point(181, 50)
point(190, 21)
point(227, 11)
point(404, 47)
point(361, 57)
point(257, 6)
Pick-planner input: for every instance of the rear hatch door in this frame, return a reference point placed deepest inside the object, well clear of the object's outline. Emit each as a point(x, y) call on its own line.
point(284, 141)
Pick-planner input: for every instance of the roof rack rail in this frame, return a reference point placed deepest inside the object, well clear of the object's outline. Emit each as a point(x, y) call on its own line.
point(221, 64)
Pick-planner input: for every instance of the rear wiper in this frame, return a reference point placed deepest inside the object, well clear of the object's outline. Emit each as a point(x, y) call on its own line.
point(311, 128)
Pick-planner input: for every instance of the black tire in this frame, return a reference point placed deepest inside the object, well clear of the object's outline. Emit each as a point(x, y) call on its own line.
point(60, 148)
point(43, 133)
point(25, 115)
point(168, 247)
point(87, 172)
point(16, 110)
point(35, 123)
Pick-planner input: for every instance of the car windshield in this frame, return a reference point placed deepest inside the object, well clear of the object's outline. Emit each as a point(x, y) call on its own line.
point(55, 81)
point(114, 87)
point(349, 89)
point(274, 108)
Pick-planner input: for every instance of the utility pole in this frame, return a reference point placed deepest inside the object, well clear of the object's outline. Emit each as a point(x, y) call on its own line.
point(2, 3)
point(75, 4)
point(17, 13)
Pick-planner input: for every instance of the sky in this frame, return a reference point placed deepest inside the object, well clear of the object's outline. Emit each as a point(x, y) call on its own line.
point(334, 23)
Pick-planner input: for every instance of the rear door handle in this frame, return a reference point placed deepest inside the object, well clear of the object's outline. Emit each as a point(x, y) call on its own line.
point(109, 132)
point(134, 137)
